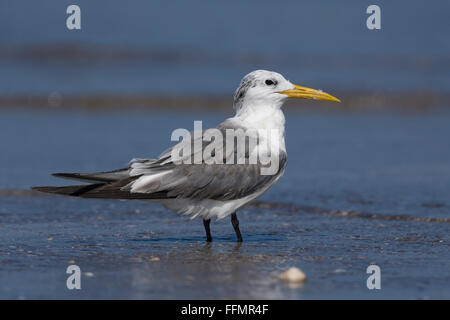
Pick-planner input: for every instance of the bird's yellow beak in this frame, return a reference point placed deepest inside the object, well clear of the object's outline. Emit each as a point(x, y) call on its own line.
point(308, 93)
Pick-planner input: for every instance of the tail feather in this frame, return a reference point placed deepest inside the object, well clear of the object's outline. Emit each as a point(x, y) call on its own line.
point(69, 190)
point(111, 190)
point(104, 177)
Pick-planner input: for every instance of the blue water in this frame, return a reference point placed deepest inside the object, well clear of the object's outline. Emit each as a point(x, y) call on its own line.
point(204, 47)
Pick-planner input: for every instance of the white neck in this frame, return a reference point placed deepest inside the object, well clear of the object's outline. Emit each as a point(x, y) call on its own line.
point(267, 117)
point(259, 116)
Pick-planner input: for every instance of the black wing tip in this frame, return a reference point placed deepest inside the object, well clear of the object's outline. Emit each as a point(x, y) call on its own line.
point(45, 189)
point(39, 188)
point(75, 191)
point(65, 174)
point(103, 177)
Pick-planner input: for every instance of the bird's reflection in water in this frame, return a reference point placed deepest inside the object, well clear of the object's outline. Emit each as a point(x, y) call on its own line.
point(220, 269)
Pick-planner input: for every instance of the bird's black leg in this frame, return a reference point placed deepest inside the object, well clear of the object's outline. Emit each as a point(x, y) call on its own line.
point(235, 223)
point(206, 223)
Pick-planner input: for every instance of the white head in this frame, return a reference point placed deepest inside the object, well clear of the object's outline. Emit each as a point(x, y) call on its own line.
point(271, 89)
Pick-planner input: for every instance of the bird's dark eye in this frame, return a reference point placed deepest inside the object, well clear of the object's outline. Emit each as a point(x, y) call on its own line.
point(270, 82)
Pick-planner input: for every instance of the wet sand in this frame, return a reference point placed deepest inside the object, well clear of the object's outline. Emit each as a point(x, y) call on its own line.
point(136, 250)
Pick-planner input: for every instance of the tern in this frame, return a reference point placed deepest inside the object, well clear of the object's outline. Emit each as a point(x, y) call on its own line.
point(201, 189)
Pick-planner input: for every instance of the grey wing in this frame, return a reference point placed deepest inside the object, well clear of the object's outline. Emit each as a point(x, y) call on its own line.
point(102, 177)
point(201, 181)
point(162, 178)
point(204, 181)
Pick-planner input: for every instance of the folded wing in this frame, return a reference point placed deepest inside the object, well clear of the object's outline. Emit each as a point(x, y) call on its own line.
point(162, 178)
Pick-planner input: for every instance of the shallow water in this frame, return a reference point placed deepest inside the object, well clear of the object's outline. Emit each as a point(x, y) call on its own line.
point(359, 188)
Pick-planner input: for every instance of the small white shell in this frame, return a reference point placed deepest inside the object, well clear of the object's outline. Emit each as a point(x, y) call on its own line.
point(293, 275)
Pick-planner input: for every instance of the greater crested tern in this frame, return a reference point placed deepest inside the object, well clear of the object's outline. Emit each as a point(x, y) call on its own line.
point(203, 189)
